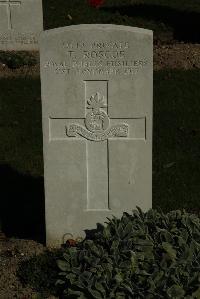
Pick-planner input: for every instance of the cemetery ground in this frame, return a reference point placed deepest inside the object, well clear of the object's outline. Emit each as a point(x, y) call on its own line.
point(176, 147)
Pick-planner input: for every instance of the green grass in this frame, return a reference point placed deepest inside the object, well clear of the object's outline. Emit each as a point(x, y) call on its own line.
point(176, 151)
point(176, 146)
point(20, 125)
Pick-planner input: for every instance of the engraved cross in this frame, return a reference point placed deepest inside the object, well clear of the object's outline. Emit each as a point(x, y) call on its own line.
point(9, 4)
point(98, 129)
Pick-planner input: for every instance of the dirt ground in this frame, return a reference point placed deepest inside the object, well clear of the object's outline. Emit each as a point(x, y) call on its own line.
point(177, 56)
point(14, 251)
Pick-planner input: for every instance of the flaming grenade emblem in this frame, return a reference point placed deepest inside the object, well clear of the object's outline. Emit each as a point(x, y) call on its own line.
point(97, 123)
point(97, 120)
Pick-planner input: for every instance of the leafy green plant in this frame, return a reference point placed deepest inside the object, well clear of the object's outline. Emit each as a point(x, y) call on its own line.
point(142, 255)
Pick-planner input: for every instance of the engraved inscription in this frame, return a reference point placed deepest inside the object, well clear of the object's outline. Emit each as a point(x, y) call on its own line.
point(97, 45)
point(104, 54)
point(19, 38)
point(97, 58)
point(9, 4)
point(97, 123)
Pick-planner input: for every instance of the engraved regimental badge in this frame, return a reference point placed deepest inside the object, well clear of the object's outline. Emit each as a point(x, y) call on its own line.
point(97, 122)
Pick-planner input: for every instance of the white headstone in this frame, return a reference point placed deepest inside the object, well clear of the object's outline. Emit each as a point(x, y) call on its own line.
point(97, 92)
point(21, 22)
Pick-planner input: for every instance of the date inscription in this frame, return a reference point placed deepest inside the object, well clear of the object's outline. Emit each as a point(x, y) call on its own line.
point(97, 58)
point(18, 38)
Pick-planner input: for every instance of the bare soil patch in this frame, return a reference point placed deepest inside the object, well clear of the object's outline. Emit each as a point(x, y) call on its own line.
point(12, 253)
point(177, 56)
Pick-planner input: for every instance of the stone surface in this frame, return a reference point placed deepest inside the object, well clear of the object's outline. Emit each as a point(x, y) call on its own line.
point(21, 22)
point(97, 92)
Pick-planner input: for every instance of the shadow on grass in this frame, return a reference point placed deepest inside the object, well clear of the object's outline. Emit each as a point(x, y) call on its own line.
point(185, 24)
point(176, 146)
point(22, 205)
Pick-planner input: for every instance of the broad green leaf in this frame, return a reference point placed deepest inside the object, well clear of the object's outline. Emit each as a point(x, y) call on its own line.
point(81, 255)
point(169, 249)
point(127, 288)
point(94, 249)
point(125, 264)
point(114, 245)
point(107, 267)
point(196, 294)
point(60, 282)
point(95, 294)
point(120, 229)
point(100, 288)
point(157, 276)
point(66, 257)
point(120, 295)
point(142, 215)
point(63, 265)
point(176, 291)
point(86, 276)
point(71, 277)
point(76, 271)
point(119, 277)
point(77, 293)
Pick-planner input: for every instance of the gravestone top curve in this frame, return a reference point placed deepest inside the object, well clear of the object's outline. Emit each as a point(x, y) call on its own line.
point(96, 27)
